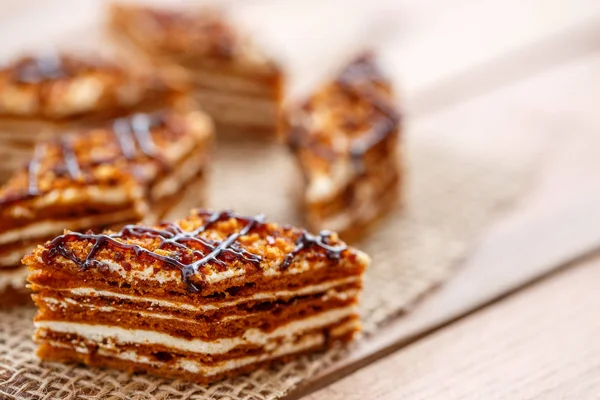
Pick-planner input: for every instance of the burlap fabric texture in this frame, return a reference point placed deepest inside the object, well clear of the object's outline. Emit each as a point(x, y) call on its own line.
point(448, 200)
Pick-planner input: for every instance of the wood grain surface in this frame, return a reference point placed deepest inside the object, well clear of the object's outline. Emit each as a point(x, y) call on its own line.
point(554, 224)
point(540, 344)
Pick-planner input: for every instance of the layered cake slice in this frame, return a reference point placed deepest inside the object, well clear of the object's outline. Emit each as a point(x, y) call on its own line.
point(345, 137)
point(239, 86)
point(137, 167)
point(56, 92)
point(210, 296)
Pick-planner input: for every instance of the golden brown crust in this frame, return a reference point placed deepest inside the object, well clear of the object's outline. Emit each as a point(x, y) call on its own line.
point(202, 247)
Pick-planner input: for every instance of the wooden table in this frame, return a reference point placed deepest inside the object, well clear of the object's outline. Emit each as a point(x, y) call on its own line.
point(516, 80)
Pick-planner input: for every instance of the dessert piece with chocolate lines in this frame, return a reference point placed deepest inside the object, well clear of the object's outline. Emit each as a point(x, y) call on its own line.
point(237, 84)
point(345, 137)
point(208, 293)
point(135, 168)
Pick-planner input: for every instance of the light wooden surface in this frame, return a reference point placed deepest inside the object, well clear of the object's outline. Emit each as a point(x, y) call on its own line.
point(540, 344)
point(515, 81)
point(555, 223)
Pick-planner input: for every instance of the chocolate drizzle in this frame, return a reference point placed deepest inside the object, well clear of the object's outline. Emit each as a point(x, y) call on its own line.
point(357, 80)
point(136, 132)
point(307, 240)
point(33, 170)
point(68, 154)
point(189, 251)
point(40, 69)
point(132, 133)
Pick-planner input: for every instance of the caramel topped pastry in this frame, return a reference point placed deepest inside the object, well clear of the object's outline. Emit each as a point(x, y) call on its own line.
point(346, 137)
point(210, 296)
point(47, 94)
point(58, 86)
point(238, 85)
point(136, 167)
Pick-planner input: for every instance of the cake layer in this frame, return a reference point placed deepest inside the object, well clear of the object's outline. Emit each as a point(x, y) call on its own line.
point(44, 228)
point(226, 322)
point(203, 305)
point(355, 213)
point(138, 279)
point(251, 338)
point(61, 208)
point(193, 369)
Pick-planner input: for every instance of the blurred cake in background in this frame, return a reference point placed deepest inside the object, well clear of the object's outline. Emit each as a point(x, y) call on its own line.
point(345, 137)
point(141, 167)
point(41, 95)
point(238, 85)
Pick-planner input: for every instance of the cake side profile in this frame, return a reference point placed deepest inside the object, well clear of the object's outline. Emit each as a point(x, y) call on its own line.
point(55, 92)
point(239, 87)
point(210, 296)
point(345, 137)
point(135, 168)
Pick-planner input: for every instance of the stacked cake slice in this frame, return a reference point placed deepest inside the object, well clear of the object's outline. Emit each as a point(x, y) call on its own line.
point(209, 296)
point(234, 81)
point(346, 138)
point(56, 92)
point(137, 167)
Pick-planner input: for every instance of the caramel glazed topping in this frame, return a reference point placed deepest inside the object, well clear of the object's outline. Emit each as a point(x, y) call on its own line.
point(131, 133)
point(189, 251)
point(355, 80)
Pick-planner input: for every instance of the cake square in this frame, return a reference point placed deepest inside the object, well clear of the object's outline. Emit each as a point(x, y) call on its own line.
point(57, 92)
point(138, 167)
point(210, 296)
point(236, 83)
point(345, 138)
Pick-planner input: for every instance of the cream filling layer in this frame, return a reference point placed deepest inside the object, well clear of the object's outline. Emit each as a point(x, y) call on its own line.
point(253, 336)
point(280, 294)
point(55, 227)
point(305, 343)
point(54, 303)
point(13, 278)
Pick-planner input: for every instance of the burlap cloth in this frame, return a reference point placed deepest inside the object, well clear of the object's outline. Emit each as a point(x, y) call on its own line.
point(448, 199)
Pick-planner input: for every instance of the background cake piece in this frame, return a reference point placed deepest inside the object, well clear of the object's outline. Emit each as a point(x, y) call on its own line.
point(345, 137)
point(138, 167)
point(48, 93)
point(239, 86)
point(209, 296)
